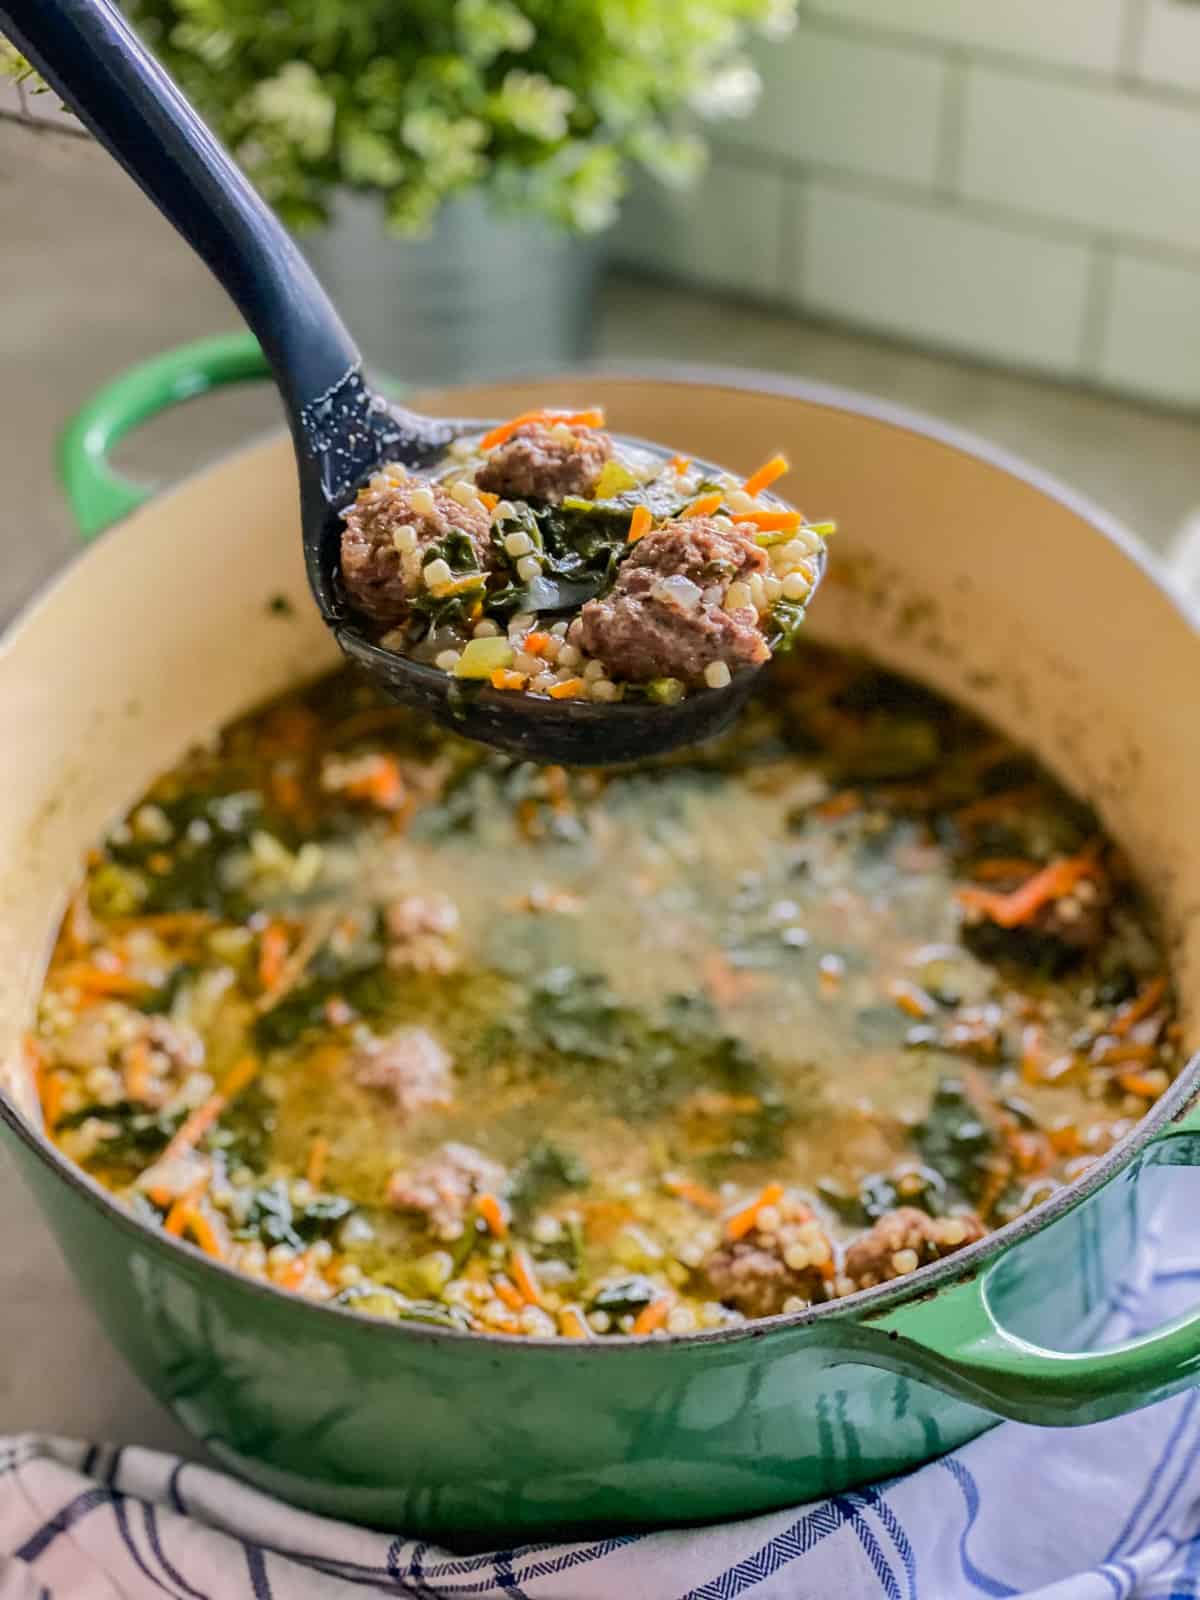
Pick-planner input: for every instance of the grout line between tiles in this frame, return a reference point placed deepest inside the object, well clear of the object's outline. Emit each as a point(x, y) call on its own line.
point(951, 126)
point(755, 158)
point(1097, 306)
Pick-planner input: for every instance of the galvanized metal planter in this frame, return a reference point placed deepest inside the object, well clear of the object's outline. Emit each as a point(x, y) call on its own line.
point(483, 296)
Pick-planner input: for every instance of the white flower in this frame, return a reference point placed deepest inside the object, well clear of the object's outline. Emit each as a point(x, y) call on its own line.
point(294, 102)
point(531, 104)
point(729, 93)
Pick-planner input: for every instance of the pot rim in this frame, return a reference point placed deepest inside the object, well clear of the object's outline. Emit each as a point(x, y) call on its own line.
point(865, 1304)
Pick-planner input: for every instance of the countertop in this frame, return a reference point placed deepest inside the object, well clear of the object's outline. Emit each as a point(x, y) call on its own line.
point(92, 280)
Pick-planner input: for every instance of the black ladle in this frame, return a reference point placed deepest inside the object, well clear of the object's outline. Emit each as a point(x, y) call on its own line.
point(341, 428)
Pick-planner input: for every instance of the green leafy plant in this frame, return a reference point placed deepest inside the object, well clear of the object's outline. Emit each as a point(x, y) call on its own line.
point(547, 104)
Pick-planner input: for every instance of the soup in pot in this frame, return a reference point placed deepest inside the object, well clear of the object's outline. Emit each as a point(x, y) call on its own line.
point(400, 1024)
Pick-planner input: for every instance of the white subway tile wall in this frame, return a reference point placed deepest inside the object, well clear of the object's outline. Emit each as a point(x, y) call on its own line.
point(1011, 179)
point(849, 103)
point(1170, 45)
point(1096, 157)
point(1080, 33)
point(907, 267)
point(1152, 337)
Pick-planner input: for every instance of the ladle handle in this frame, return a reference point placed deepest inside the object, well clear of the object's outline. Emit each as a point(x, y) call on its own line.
point(89, 54)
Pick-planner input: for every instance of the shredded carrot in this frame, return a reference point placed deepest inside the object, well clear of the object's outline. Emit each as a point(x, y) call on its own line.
point(639, 524)
point(536, 644)
point(492, 1212)
point(525, 1278)
point(680, 463)
point(383, 785)
point(650, 1318)
point(502, 678)
point(272, 953)
point(507, 1326)
point(286, 791)
point(1064, 1139)
point(770, 521)
point(999, 868)
point(839, 805)
point(238, 1077)
point(571, 1323)
point(573, 419)
point(766, 474)
point(1023, 904)
point(508, 1292)
point(912, 999)
point(53, 1091)
point(99, 982)
point(318, 1155)
point(205, 1235)
point(292, 1275)
point(189, 1133)
point(705, 505)
point(491, 501)
point(742, 1222)
point(137, 1070)
point(1142, 1004)
point(1136, 1083)
point(1032, 1062)
point(694, 1193)
point(180, 1212)
point(567, 689)
point(996, 805)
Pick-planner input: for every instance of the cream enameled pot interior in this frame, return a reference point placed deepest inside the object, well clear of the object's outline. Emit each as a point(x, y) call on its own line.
point(946, 565)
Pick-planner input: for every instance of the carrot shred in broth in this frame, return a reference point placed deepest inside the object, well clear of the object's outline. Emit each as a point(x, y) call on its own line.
point(769, 521)
point(491, 1209)
point(766, 475)
point(593, 418)
point(694, 1193)
point(704, 505)
point(525, 1277)
point(508, 1292)
point(272, 954)
point(1052, 882)
point(205, 1234)
point(193, 1129)
point(744, 1221)
point(318, 1157)
point(652, 1317)
point(1139, 1007)
point(640, 523)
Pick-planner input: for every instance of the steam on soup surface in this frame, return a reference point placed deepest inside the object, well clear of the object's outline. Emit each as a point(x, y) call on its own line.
point(400, 1024)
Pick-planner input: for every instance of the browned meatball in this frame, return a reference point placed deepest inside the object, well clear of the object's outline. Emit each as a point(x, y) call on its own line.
point(546, 462)
point(421, 929)
point(665, 616)
point(759, 1274)
point(905, 1240)
point(443, 1189)
point(411, 1067)
point(379, 578)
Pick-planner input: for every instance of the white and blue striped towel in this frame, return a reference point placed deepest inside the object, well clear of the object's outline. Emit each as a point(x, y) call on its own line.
point(1100, 1513)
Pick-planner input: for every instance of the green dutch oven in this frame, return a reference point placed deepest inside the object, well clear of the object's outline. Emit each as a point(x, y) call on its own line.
point(165, 629)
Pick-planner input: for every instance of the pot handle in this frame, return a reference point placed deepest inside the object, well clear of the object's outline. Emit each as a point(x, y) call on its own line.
point(98, 494)
point(956, 1341)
